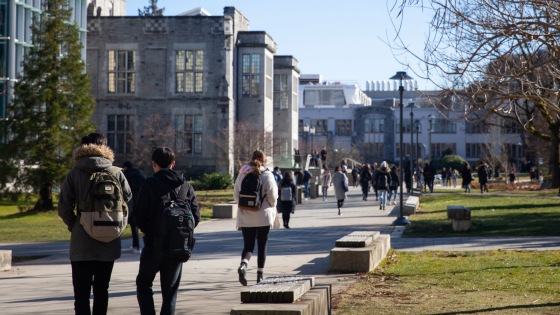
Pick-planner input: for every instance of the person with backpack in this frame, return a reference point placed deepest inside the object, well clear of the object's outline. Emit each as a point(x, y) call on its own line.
point(383, 180)
point(483, 177)
point(393, 185)
point(167, 212)
point(306, 181)
point(101, 197)
point(355, 172)
point(135, 180)
point(277, 175)
point(340, 183)
point(429, 175)
point(325, 181)
point(365, 178)
point(288, 198)
point(256, 195)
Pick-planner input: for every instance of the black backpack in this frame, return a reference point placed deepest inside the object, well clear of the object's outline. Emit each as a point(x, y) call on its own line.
point(250, 194)
point(382, 181)
point(174, 223)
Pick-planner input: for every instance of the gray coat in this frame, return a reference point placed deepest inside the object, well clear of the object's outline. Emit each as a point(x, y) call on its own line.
point(88, 159)
point(338, 179)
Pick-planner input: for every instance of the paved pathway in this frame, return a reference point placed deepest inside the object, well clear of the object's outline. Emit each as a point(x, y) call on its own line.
point(209, 283)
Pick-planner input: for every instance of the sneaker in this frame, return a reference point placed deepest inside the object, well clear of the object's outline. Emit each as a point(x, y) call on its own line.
point(135, 250)
point(242, 271)
point(338, 211)
point(306, 199)
point(383, 207)
point(380, 207)
point(259, 276)
point(326, 199)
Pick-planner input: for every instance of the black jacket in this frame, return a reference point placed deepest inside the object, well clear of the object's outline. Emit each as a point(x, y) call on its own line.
point(289, 206)
point(387, 179)
point(149, 201)
point(394, 179)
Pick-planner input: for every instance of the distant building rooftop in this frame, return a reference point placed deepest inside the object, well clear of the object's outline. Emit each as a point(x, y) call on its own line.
point(195, 12)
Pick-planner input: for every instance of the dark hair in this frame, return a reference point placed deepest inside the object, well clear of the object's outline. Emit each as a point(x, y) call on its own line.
point(127, 164)
point(258, 160)
point(337, 169)
point(287, 176)
point(94, 138)
point(467, 166)
point(276, 168)
point(365, 168)
point(163, 157)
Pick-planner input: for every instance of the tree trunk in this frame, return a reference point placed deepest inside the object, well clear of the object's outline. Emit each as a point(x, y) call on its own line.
point(554, 146)
point(45, 201)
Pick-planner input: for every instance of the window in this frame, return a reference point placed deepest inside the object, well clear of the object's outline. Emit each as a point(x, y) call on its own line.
point(373, 149)
point(251, 75)
point(121, 71)
point(189, 65)
point(439, 148)
point(283, 145)
point(300, 127)
point(477, 127)
point(407, 150)
point(321, 126)
point(477, 150)
point(343, 127)
point(188, 134)
point(512, 127)
point(407, 126)
point(119, 133)
point(281, 91)
point(443, 126)
point(514, 151)
point(374, 125)
point(323, 97)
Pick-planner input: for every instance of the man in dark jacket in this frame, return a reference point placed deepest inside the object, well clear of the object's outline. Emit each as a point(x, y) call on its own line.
point(306, 181)
point(169, 181)
point(135, 180)
point(92, 260)
point(429, 174)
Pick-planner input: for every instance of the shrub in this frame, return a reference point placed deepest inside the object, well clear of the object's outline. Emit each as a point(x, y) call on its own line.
point(214, 181)
point(453, 161)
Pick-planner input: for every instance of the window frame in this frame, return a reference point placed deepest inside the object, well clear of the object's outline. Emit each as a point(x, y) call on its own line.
point(191, 73)
point(251, 75)
point(113, 134)
point(188, 139)
point(113, 72)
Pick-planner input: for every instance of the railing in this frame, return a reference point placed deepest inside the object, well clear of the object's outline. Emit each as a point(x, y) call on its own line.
point(292, 161)
point(354, 162)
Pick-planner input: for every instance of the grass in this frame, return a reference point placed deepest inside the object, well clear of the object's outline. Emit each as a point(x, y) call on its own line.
point(28, 226)
point(472, 282)
point(491, 216)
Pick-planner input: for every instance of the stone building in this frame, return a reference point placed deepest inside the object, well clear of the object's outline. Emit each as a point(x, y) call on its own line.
point(189, 77)
point(106, 7)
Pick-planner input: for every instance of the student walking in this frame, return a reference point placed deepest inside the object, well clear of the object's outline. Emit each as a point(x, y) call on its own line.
point(454, 176)
point(340, 183)
point(355, 172)
point(483, 177)
point(383, 180)
point(448, 176)
point(92, 258)
point(394, 185)
point(288, 198)
point(325, 181)
point(135, 180)
point(365, 178)
point(429, 174)
point(324, 157)
point(467, 177)
point(373, 184)
point(165, 200)
point(512, 178)
point(256, 193)
point(306, 181)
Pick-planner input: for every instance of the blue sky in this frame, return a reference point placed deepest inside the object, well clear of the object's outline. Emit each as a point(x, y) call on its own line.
point(342, 40)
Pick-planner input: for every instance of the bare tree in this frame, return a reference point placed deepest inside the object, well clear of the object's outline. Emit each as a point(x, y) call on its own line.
point(495, 57)
point(156, 132)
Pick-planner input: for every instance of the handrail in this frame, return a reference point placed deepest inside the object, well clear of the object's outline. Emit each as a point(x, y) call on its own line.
point(353, 162)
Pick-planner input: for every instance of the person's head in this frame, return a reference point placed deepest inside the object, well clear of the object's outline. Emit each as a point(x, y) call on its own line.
point(94, 138)
point(276, 169)
point(288, 176)
point(325, 148)
point(384, 166)
point(444, 169)
point(337, 169)
point(163, 158)
point(365, 168)
point(326, 170)
point(127, 165)
point(375, 165)
point(426, 164)
point(431, 162)
point(257, 161)
point(343, 162)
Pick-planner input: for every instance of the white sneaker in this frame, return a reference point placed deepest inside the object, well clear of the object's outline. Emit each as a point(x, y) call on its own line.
point(306, 198)
point(326, 199)
point(135, 250)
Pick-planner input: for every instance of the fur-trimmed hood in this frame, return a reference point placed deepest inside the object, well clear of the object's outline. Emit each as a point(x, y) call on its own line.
point(94, 150)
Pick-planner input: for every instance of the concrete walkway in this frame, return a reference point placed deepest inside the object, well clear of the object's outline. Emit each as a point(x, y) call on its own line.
point(209, 283)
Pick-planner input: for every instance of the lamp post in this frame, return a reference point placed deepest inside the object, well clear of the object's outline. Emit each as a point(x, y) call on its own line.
point(417, 122)
point(312, 132)
point(401, 76)
point(412, 106)
point(430, 117)
point(306, 131)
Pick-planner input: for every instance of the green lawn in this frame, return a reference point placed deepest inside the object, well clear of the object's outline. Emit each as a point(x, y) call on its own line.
point(471, 282)
point(491, 216)
point(28, 226)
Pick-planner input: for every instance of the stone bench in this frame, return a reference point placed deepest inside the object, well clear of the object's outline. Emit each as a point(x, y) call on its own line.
point(224, 211)
point(359, 259)
point(278, 289)
point(411, 205)
point(417, 192)
point(461, 218)
point(317, 301)
point(5, 260)
point(357, 239)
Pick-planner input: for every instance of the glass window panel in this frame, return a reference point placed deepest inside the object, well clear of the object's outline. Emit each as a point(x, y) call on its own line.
point(199, 60)
point(255, 64)
point(120, 143)
point(3, 20)
point(128, 143)
point(197, 143)
point(246, 63)
point(127, 119)
point(189, 80)
point(246, 85)
point(180, 60)
point(180, 82)
point(179, 144)
point(121, 84)
point(3, 58)
point(112, 82)
point(111, 140)
point(131, 60)
point(121, 61)
point(112, 60)
point(276, 100)
point(188, 122)
point(188, 143)
point(277, 82)
point(120, 123)
point(130, 82)
point(198, 123)
point(179, 123)
point(198, 81)
point(111, 123)
point(283, 82)
point(255, 85)
point(189, 61)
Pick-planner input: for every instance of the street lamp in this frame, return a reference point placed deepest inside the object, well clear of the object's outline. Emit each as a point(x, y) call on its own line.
point(417, 122)
point(306, 132)
point(401, 76)
point(312, 131)
point(411, 106)
point(430, 118)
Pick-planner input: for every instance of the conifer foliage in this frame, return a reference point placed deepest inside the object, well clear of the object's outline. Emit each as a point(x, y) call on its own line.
point(51, 108)
point(151, 10)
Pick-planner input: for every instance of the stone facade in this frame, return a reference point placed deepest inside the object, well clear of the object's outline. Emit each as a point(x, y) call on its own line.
point(106, 7)
point(188, 72)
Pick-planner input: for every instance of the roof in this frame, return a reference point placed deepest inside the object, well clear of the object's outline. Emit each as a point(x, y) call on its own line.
point(195, 12)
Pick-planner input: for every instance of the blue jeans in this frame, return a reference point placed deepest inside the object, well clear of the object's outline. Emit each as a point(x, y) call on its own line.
point(383, 197)
point(468, 187)
point(170, 277)
point(325, 188)
point(430, 183)
point(306, 185)
point(390, 193)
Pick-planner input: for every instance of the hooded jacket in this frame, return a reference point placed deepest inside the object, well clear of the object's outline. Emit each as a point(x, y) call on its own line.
point(148, 201)
point(88, 159)
point(266, 215)
point(385, 173)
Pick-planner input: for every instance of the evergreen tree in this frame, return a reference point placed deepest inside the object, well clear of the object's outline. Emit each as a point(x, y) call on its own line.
point(151, 10)
point(51, 108)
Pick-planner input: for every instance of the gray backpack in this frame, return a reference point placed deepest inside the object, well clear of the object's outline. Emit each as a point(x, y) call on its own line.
point(103, 212)
point(286, 193)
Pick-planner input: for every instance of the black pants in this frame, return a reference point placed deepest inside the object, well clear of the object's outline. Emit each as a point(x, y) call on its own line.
point(365, 189)
point(134, 229)
point(285, 218)
point(249, 235)
point(340, 203)
point(169, 275)
point(86, 274)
